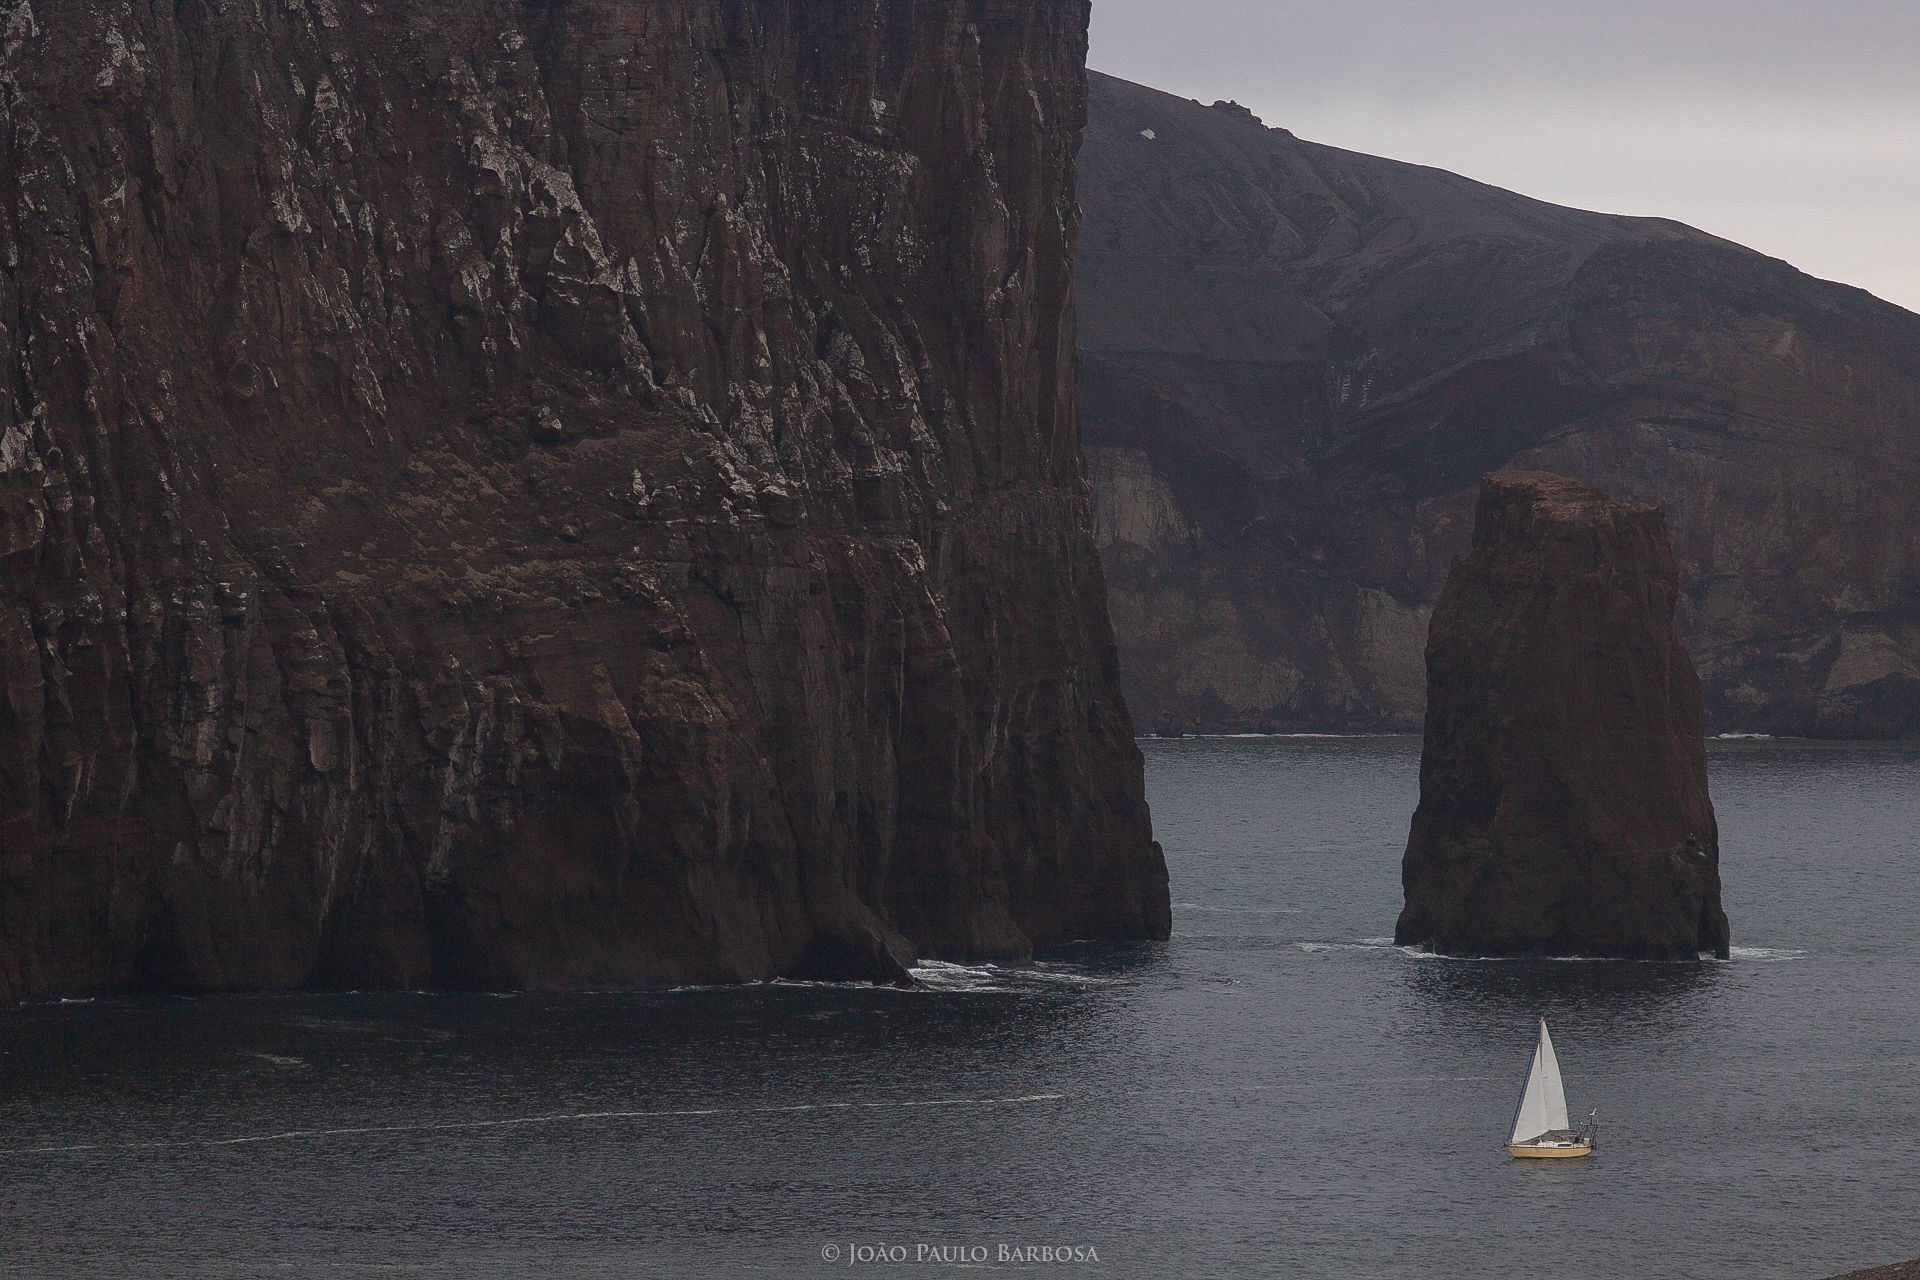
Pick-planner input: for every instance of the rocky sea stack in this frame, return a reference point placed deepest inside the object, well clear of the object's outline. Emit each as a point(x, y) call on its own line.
point(500, 494)
point(1563, 783)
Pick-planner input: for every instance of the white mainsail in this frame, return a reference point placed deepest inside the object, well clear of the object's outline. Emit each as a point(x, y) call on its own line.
point(1543, 1103)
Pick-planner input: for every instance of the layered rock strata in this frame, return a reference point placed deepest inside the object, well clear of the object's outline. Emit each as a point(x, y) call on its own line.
point(546, 494)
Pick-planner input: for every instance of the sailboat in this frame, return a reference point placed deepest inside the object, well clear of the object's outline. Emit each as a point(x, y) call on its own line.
point(1540, 1128)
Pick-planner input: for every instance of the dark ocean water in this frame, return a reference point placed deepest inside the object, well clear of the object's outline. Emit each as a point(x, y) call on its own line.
point(1277, 1092)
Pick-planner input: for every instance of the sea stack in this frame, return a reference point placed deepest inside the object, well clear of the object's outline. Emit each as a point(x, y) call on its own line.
point(1563, 781)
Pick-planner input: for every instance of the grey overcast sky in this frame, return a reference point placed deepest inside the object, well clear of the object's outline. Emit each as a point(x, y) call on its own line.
point(1792, 126)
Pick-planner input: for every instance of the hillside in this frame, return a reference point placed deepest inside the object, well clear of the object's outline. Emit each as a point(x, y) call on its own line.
point(1297, 362)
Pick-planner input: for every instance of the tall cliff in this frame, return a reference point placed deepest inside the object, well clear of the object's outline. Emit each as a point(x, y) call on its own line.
point(1563, 780)
point(546, 493)
point(1298, 361)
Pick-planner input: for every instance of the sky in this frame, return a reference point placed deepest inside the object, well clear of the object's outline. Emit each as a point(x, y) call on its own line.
point(1791, 126)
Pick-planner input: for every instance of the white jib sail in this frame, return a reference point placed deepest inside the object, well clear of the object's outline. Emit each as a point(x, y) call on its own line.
point(1543, 1103)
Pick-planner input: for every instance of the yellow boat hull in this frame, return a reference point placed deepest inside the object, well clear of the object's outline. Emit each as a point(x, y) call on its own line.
point(1525, 1151)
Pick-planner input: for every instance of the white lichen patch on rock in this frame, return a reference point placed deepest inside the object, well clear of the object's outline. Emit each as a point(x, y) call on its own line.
point(16, 29)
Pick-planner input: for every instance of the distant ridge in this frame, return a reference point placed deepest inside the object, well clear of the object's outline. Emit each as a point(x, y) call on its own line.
point(1296, 361)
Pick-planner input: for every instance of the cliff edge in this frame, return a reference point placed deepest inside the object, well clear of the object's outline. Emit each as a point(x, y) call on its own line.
point(1563, 780)
point(547, 494)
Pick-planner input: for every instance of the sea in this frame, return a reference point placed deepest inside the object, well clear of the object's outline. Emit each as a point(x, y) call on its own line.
point(1278, 1091)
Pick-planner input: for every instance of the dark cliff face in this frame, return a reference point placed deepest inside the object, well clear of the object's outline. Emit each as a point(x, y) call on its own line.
point(546, 494)
point(1563, 781)
point(1298, 361)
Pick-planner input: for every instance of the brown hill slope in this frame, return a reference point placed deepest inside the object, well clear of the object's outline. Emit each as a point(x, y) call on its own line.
point(1297, 362)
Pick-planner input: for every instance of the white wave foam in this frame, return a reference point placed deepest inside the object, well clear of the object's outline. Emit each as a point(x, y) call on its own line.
point(938, 975)
point(281, 1060)
point(1421, 953)
point(1768, 955)
point(1237, 911)
point(507, 1122)
point(1061, 975)
point(1742, 737)
point(1364, 944)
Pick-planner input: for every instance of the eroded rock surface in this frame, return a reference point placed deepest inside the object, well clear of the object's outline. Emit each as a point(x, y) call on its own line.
point(1563, 780)
point(1297, 362)
point(507, 494)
